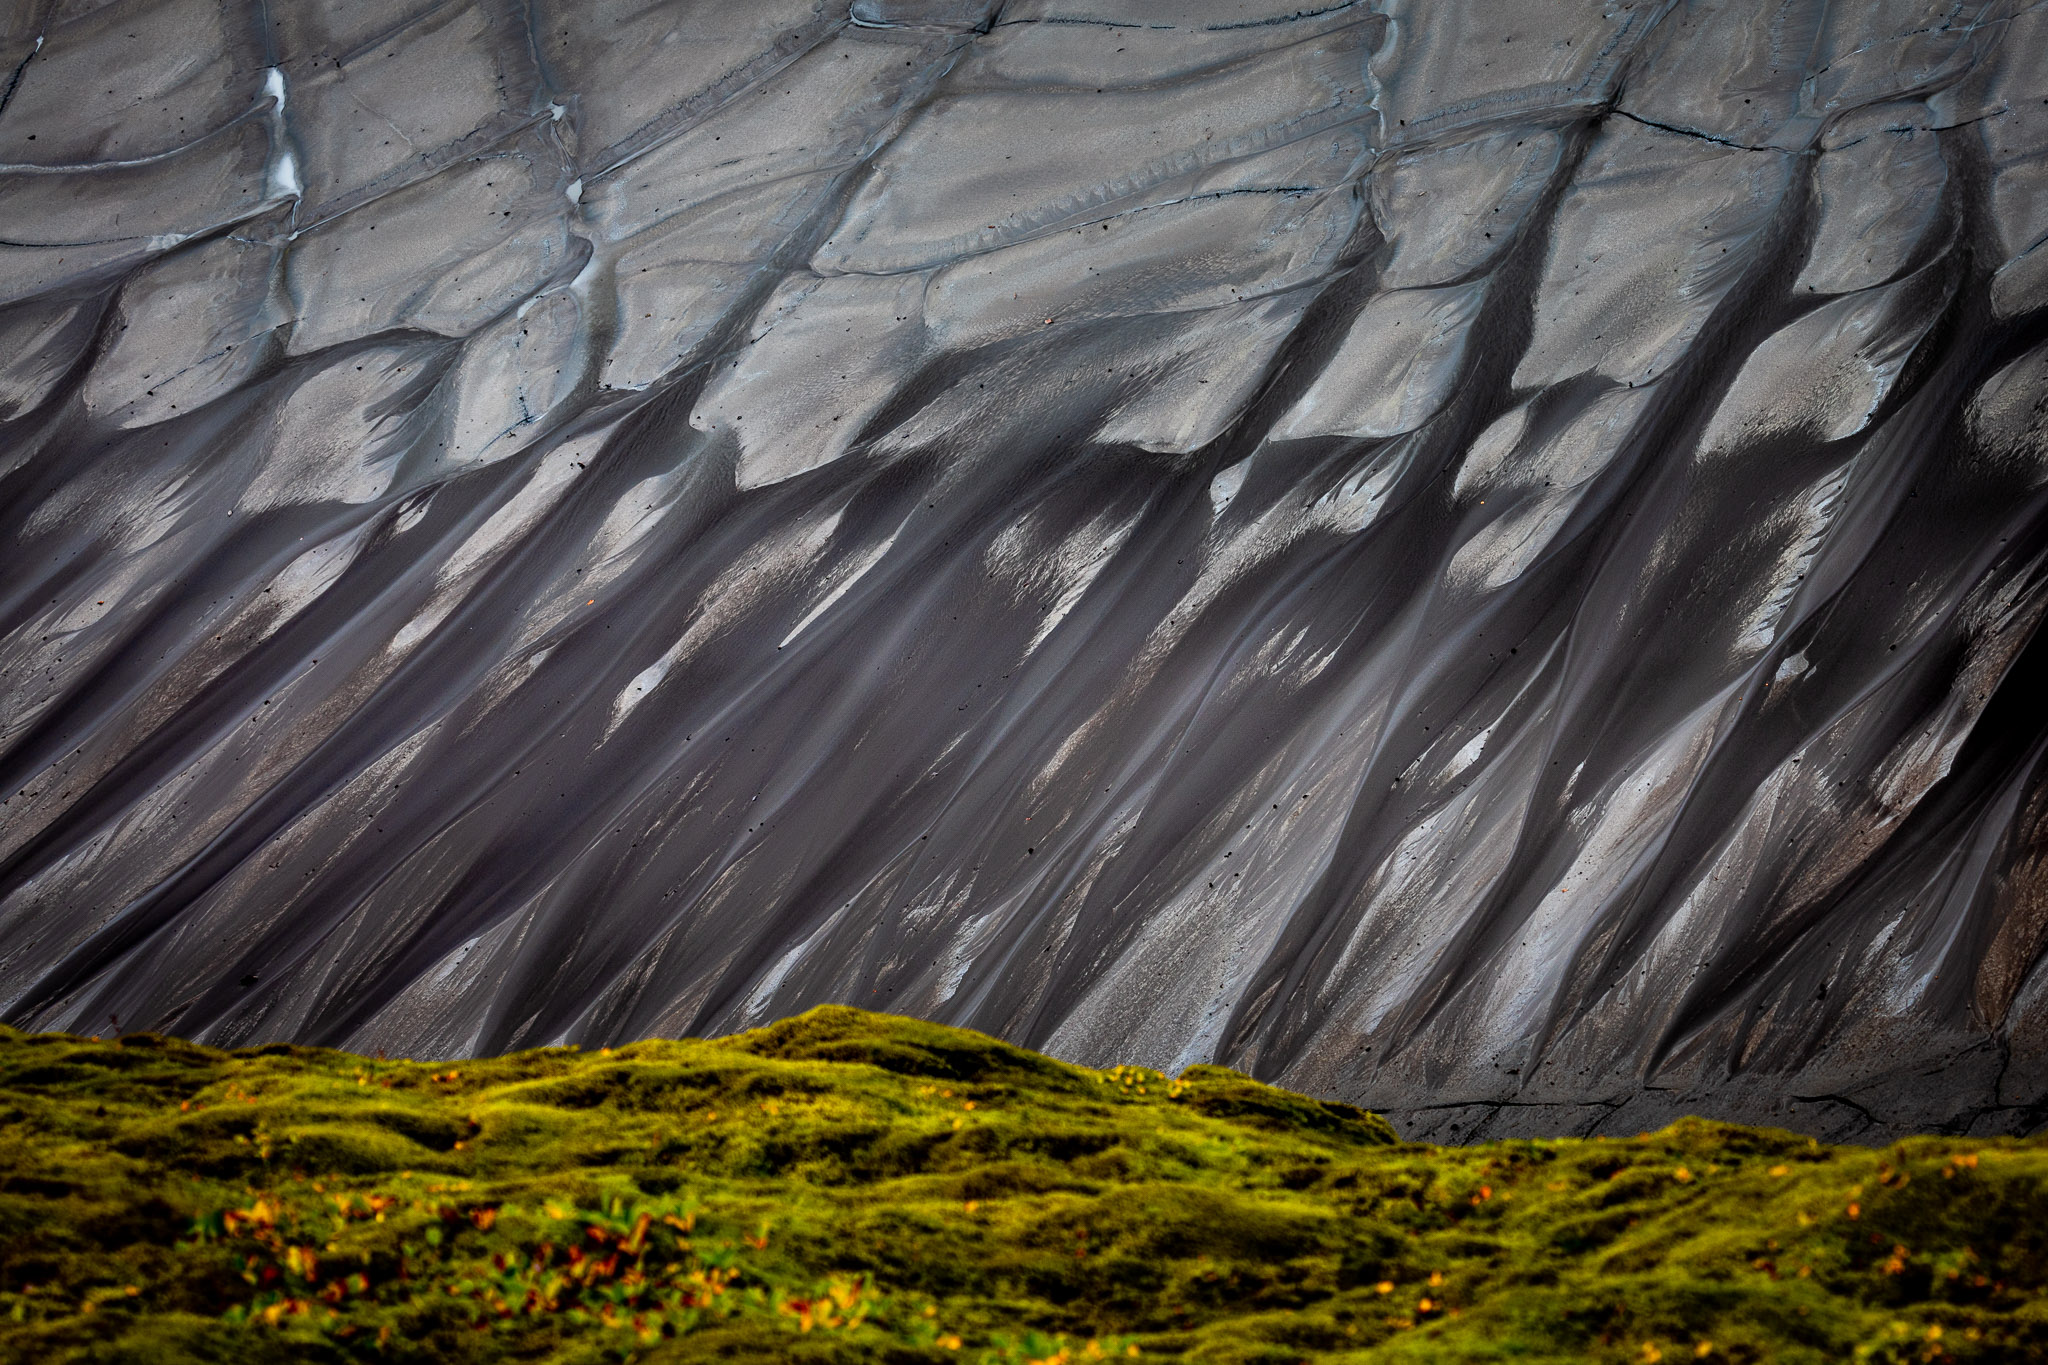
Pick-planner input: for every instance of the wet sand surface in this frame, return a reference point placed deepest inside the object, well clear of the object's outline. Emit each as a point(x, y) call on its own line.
point(1479, 559)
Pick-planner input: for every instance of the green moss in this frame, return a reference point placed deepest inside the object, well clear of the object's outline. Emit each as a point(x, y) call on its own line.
point(853, 1187)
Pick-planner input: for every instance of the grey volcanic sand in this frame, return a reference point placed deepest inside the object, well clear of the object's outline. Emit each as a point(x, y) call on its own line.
point(1483, 558)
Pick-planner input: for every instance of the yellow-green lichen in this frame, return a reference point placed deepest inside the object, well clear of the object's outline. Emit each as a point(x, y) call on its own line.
point(849, 1186)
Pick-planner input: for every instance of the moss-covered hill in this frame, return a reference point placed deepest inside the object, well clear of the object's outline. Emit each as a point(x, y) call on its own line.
point(848, 1186)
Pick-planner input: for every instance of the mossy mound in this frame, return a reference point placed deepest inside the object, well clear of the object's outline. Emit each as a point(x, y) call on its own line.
point(848, 1186)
